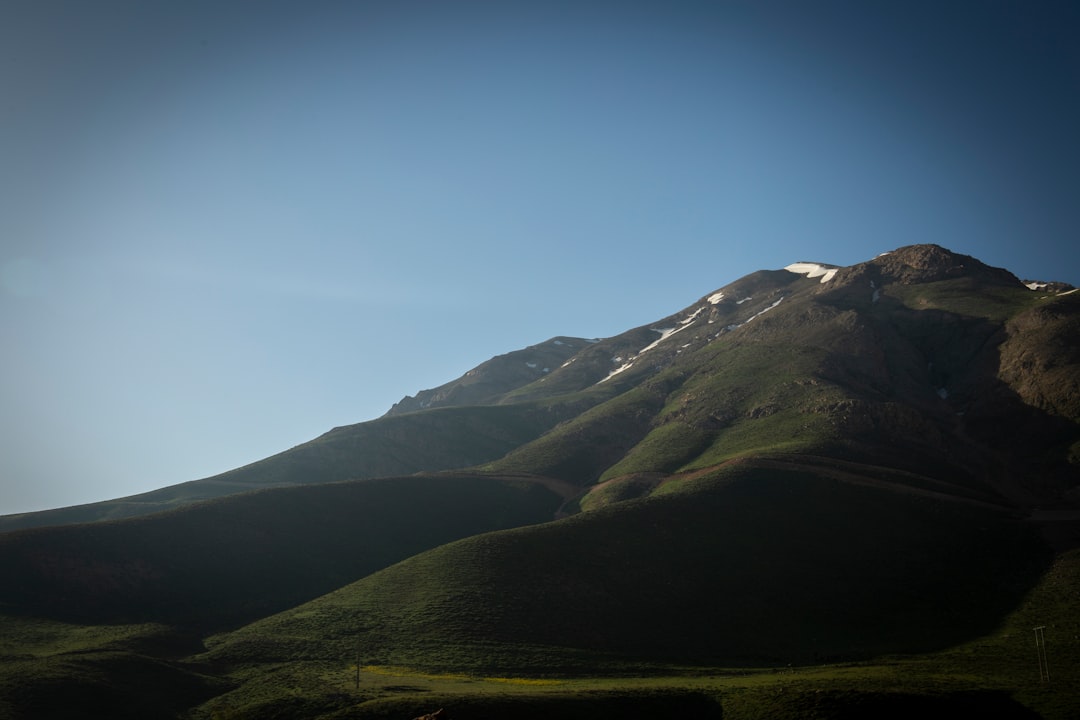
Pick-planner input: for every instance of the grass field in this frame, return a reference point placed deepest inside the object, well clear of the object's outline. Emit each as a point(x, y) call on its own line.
point(996, 675)
point(825, 599)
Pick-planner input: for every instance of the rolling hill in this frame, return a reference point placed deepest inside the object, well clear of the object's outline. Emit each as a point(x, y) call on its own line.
point(811, 465)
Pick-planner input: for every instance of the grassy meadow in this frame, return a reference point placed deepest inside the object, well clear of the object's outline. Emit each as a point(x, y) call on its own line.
point(994, 675)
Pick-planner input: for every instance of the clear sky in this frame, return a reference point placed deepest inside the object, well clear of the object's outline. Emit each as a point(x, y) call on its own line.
point(226, 227)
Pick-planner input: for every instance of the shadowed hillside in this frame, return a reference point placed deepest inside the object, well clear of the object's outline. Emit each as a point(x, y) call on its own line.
point(755, 563)
point(235, 559)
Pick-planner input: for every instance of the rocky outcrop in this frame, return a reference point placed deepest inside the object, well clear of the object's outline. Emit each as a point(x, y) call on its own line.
point(931, 263)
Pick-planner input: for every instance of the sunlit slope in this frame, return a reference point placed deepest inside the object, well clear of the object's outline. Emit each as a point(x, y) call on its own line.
point(923, 378)
point(754, 563)
point(235, 559)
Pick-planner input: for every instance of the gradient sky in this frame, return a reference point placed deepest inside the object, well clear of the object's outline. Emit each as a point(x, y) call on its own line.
point(226, 227)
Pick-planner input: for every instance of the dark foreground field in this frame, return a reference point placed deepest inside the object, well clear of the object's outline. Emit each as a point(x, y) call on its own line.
point(56, 670)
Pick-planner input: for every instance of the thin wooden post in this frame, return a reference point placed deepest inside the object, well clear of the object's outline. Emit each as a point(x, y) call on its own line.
point(1040, 648)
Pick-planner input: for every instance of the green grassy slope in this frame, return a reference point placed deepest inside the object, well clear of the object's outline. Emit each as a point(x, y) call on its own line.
point(995, 675)
point(239, 558)
point(748, 565)
point(107, 684)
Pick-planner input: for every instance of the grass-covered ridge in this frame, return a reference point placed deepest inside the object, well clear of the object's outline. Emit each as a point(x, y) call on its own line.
point(698, 574)
point(235, 559)
point(965, 296)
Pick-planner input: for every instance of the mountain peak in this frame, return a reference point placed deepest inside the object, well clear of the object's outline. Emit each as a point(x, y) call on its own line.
point(929, 263)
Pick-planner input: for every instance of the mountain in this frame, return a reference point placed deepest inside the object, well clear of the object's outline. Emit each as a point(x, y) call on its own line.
point(813, 464)
point(491, 382)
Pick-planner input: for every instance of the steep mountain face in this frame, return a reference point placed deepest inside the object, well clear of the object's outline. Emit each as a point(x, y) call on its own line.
point(921, 359)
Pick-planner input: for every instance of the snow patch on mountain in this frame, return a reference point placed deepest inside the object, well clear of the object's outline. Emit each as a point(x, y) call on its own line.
point(716, 297)
point(616, 371)
point(736, 326)
point(762, 312)
point(665, 333)
point(812, 270)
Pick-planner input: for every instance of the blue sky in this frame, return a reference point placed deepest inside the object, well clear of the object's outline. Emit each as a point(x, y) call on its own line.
point(227, 227)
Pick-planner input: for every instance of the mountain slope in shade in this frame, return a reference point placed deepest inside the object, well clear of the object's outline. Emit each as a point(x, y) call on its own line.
point(232, 560)
point(755, 563)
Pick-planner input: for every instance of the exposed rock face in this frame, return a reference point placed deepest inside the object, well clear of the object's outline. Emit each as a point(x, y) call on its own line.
point(1040, 358)
point(930, 263)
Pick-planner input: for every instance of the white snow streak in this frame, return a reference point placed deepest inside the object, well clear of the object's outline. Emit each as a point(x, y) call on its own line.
point(665, 333)
point(812, 270)
point(759, 314)
point(716, 297)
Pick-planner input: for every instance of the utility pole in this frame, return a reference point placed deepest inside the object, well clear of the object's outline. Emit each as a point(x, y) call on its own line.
point(357, 661)
point(1040, 648)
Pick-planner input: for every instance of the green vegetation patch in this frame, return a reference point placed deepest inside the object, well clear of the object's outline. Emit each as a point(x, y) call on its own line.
point(235, 559)
point(965, 296)
point(580, 450)
point(750, 566)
